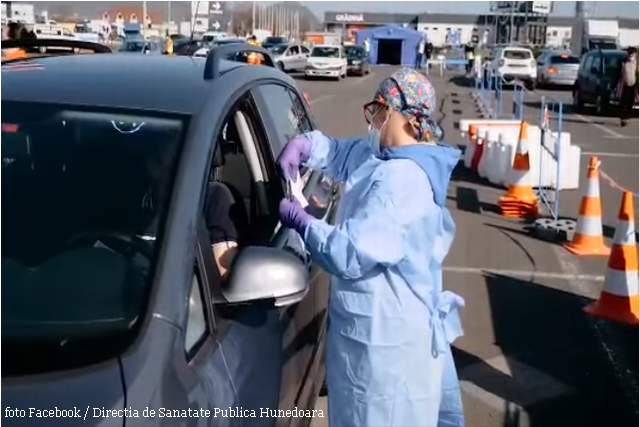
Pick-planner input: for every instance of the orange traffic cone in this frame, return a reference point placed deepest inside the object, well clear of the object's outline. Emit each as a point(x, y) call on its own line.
point(588, 239)
point(619, 298)
point(473, 131)
point(520, 201)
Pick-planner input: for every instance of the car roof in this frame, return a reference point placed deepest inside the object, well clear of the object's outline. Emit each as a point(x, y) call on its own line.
point(160, 83)
point(326, 45)
point(517, 48)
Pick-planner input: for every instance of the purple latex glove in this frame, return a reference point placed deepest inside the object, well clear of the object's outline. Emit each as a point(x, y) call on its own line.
point(293, 215)
point(296, 152)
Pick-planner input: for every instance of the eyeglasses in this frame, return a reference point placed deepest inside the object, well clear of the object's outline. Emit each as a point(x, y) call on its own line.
point(371, 109)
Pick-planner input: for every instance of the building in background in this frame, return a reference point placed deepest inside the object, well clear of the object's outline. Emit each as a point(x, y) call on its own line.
point(487, 29)
point(347, 24)
point(18, 12)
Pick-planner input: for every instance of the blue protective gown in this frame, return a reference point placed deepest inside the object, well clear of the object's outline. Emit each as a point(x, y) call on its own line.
point(389, 360)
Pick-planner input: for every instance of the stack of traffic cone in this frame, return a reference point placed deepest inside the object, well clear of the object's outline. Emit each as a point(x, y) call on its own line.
point(588, 238)
point(519, 201)
point(619, 298)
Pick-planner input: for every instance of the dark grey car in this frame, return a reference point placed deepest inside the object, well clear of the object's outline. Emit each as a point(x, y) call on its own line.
point(357, 60)
point(113, 311)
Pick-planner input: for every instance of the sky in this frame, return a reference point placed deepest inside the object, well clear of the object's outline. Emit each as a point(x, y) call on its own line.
point(628, 9)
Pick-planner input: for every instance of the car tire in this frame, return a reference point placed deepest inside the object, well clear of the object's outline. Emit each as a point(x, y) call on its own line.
point(530, 85)
point(577, 102)
point(281, 66)
point(601, 106)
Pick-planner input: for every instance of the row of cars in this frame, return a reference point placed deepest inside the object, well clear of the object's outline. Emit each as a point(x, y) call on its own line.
point(319, 61)
point(593, 78)
point(328, 61)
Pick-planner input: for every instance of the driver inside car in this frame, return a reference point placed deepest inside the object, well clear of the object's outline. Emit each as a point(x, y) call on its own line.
point(221, 216)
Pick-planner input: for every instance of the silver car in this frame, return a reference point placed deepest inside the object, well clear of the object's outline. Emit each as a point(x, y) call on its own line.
point(290, 57)
point(557, 69)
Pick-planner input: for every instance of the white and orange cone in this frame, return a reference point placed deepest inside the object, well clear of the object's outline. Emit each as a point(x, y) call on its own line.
point(588, 238)
point(520, 201)
point(619, 298)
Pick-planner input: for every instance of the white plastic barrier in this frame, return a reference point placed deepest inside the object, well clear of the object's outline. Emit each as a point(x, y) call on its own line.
point(464, 124)
point(499, 147)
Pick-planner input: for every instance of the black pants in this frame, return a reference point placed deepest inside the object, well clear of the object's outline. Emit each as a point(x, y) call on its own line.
point(418, 61)
point(627, 99)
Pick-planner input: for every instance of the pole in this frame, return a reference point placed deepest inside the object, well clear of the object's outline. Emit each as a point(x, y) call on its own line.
point(144, 19)
point(169, 11)
point(253, 17)
point(513, 6)
point(298, 25)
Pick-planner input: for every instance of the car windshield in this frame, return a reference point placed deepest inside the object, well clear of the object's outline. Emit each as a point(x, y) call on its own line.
point(564, 59)
point(85, 195)
point(517, 54)
point(325, 52)
point(132, 46)
point(279, 49)
point(354, 51)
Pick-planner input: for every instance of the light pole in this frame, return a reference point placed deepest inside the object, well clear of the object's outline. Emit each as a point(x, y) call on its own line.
point(253, 17)
point(144, 19)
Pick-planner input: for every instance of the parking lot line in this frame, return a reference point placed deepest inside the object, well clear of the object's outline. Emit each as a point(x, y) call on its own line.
point(525, 273)
point(610, 132)
point(608, 154)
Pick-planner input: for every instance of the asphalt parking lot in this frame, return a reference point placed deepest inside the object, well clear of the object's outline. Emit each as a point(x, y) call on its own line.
point(529, 356)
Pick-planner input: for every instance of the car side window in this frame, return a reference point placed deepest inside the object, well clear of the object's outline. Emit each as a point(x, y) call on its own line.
point(596, 65)
point(289, 114)
point(588, 62)
point(196, 329)
point(305, 50)
point(293, 50)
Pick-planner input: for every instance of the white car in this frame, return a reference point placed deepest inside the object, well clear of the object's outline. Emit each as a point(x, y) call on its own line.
point(514, 63)
point(327, 61)
point(290, 57)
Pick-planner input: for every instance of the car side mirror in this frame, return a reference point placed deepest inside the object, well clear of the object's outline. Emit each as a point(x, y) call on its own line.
point(264, 274)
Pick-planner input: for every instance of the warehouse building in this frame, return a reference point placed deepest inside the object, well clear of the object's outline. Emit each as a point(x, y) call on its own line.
point(438, 28)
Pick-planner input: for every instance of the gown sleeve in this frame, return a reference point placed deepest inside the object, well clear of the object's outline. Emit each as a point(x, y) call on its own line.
point(337, 157)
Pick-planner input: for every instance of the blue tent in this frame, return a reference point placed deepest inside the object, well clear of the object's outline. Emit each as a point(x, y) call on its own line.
point(409, 41)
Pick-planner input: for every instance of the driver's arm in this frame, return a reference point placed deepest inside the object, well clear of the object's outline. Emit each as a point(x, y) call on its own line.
point(222, 231)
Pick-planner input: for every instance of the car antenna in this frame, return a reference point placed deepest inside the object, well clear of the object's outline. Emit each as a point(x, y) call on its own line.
point(193, 22)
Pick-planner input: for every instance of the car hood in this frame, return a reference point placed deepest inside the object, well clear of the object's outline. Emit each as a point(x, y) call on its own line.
point(85, 392)
point(325, 61)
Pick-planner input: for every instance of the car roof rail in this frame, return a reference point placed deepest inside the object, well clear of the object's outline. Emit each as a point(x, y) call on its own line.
point(44, 42)
point(220, 52)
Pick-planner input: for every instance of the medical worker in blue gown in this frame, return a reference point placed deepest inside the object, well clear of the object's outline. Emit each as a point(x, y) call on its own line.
point(389, 360)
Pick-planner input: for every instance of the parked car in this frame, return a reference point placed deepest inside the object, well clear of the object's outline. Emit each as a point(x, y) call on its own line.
point(272, 41)
point(188, 47)
point(514, 63)
point(144, 47)
point(291, 57)
point(114, 312)
point(598, 80)
point(204, 51)
point(357, 60)
point(327, 61)
point(557, 69)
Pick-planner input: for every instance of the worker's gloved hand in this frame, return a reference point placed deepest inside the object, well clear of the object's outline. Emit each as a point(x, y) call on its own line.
point(293, 215)
point(295, 153)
